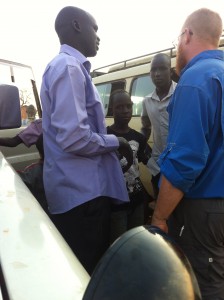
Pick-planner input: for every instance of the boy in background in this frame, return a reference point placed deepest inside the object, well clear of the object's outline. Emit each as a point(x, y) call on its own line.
point(128, 215)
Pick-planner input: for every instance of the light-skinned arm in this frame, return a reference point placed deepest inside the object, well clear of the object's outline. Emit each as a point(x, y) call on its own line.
point(168, 198)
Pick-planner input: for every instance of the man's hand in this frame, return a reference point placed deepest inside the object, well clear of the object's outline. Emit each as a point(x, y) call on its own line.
point(161, 223)
point(168, 198)
point(125, 151)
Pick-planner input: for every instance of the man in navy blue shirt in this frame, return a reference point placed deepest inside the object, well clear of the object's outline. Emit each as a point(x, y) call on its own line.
point(191, 193)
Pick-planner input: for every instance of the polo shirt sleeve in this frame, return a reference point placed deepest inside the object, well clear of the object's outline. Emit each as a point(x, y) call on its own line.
point(187, 150)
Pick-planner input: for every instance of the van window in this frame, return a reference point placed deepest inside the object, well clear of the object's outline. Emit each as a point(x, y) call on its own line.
point(141, 87)
point(21, 76)
point(104, 91)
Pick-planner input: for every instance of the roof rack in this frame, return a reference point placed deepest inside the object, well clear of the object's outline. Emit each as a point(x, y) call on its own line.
point(139, 60)
point(128, 63)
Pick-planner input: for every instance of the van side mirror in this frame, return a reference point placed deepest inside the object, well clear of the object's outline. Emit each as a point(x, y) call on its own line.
point(10, 114)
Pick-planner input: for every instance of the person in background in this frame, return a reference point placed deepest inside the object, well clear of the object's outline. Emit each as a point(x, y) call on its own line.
point(82, 173)
point(31, 113)
point(28, 114)
point(32, 176)
point(128, 215)
point(24, 117)
point(27, 136)
point(154, 112)
point(191, 194)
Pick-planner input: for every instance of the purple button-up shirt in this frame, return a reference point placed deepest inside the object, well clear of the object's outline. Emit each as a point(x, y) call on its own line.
point(80, 160)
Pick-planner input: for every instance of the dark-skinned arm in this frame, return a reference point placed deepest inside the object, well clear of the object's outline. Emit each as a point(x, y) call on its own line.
point(144, 151)
point(10, 142)
point(146, 126)
point(168, 198)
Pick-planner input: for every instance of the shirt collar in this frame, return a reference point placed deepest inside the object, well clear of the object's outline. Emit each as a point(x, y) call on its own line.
point(170, 93)
point(78, 55)
point(217, 54)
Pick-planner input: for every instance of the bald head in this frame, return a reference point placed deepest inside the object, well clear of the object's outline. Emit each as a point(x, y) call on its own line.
point(201, 32)
point(78, 29)
point(162, 57)
point(206, 25)
point(64, 21)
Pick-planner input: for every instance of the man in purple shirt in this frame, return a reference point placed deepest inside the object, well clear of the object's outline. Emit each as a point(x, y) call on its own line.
point(82, 173)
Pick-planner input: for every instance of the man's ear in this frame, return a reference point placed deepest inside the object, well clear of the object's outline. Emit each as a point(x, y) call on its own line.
point(76, 25)
point(188, 36)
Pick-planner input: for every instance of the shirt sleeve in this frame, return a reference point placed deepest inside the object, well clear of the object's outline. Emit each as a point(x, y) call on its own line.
point(31, 133)
point(69, 115)
point(187, 149)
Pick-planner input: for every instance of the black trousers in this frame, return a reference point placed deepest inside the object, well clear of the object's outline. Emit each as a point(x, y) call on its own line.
point(86, 229)
point(198, 227)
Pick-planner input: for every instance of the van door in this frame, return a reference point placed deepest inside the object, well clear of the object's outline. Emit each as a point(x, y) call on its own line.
point(21, 77)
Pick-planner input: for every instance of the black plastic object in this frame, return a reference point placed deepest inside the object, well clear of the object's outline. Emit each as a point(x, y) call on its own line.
point(10, 114)
point(143, 264)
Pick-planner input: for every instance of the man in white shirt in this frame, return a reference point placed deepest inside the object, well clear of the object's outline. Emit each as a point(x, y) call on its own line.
point(154, 112)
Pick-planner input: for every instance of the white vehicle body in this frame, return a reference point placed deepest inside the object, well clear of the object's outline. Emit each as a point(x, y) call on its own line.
point(35, 261)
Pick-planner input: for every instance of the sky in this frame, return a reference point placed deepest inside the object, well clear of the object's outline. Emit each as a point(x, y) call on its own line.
point(127, 28)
